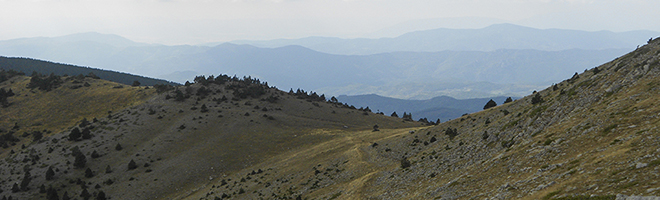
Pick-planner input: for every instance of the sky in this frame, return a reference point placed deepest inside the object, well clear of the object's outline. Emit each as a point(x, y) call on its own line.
point(176, 22)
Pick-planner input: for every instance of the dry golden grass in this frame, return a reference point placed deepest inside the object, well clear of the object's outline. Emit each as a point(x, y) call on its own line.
point(61, 108)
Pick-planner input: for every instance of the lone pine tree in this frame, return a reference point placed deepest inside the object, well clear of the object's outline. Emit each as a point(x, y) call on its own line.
point(490, 104)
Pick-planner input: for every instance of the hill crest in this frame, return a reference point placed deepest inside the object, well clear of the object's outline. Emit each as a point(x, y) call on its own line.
point(224, 123)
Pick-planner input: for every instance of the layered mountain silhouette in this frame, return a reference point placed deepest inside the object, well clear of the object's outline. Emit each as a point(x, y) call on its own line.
point(520, 59)
point(491, 38)
point(592, 135)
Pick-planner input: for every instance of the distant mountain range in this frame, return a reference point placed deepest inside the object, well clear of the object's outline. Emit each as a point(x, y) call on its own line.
point(444, 108)
point(500, 60)
point(494, 37)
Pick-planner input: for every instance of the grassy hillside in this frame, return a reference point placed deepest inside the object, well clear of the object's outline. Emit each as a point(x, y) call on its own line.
point(179, 140)
point(54, 111)
point(592, 136)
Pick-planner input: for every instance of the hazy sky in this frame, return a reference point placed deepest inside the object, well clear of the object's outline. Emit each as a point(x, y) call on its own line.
point(200, 21)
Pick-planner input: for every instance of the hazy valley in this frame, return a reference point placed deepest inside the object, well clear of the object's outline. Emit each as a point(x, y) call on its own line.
point(415, 65)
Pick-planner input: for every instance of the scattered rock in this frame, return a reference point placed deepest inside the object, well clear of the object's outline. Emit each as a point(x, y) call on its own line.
point(641, 165)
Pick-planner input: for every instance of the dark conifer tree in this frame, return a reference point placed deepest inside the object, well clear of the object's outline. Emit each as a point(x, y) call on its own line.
point(42, 189)
point(451, 133)
point(65, 196)
point(100, 196)
point(51, 194)
point(95, 154)
point(15, 188)
point(204, 108)
point(178, 96)
point(50, 173)
point(508, 100)
point(89, 173)
point(86, 134)
point(37, 135)
point(407, 116)
point(405, 163)
point(132, 165)
point(26, 181)
point(75, 134)
point(80, 161)
point(333, 99)
point(85, 194)
point(490, 104)
point(84, 122)
point(537, 99)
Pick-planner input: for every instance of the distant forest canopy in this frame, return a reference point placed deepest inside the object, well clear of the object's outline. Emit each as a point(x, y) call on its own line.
point(29, 65)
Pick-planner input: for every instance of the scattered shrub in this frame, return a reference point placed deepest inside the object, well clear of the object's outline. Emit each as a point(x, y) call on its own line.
point(405, 163)
point(75, 134)
point(79, 161)
point(95, 154)
point(37, 135)
point(85, 194)
point(46, 83)
point(407, 116)
point(89, 173)
point(51, 194)
point(537, 98)
point(86, 134)
point(26, 180)
point(50, 173)
point(451, 133)
point(204, 109)
point(132, 165)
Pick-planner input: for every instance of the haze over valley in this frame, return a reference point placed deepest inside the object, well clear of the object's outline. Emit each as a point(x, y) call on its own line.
point(498, 60)
point(326, 99)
